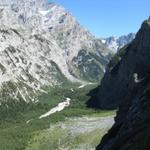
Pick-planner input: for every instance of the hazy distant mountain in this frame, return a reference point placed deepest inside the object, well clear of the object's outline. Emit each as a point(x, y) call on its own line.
point(115, 43)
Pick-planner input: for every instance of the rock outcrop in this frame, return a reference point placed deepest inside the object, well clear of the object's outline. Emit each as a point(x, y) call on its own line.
point(128, 84)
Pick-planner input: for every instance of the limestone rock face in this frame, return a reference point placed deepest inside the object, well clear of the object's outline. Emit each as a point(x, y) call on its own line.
point(40, 45)
point(129, 86)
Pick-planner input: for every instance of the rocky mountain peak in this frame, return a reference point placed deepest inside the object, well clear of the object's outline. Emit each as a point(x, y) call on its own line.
point(33, 13)
point(116, 43)
point(42, 44)
point(24, 3)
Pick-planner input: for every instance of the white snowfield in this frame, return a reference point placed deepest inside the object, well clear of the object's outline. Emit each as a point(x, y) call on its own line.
point(82, 86)
point(44, 12)
point(58, 108)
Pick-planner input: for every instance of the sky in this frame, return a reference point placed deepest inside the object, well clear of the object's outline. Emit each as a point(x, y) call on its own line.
point(104, 18)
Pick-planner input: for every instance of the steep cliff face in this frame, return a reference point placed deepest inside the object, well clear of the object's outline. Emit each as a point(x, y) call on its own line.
point(131, 76)
point(74, 39)
point(129, 66)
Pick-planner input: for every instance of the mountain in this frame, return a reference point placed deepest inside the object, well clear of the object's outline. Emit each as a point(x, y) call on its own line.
point(116, 43)
point(127, 83)
point(42, 44)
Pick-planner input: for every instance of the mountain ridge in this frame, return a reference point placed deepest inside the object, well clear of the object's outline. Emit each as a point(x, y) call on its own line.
point(41, 45)
point(116, 43)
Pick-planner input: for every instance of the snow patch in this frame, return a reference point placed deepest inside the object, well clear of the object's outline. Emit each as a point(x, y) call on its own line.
point(27, 122)
point(82, 86)
point(58, 108)
point(103, 41)
point(72, 90)
point(44, 12)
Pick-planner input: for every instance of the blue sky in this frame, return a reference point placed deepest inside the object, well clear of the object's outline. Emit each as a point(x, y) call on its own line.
point(104, 18)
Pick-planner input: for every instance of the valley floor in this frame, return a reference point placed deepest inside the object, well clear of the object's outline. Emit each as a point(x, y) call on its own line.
point(74, 127)
point(77, 133)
